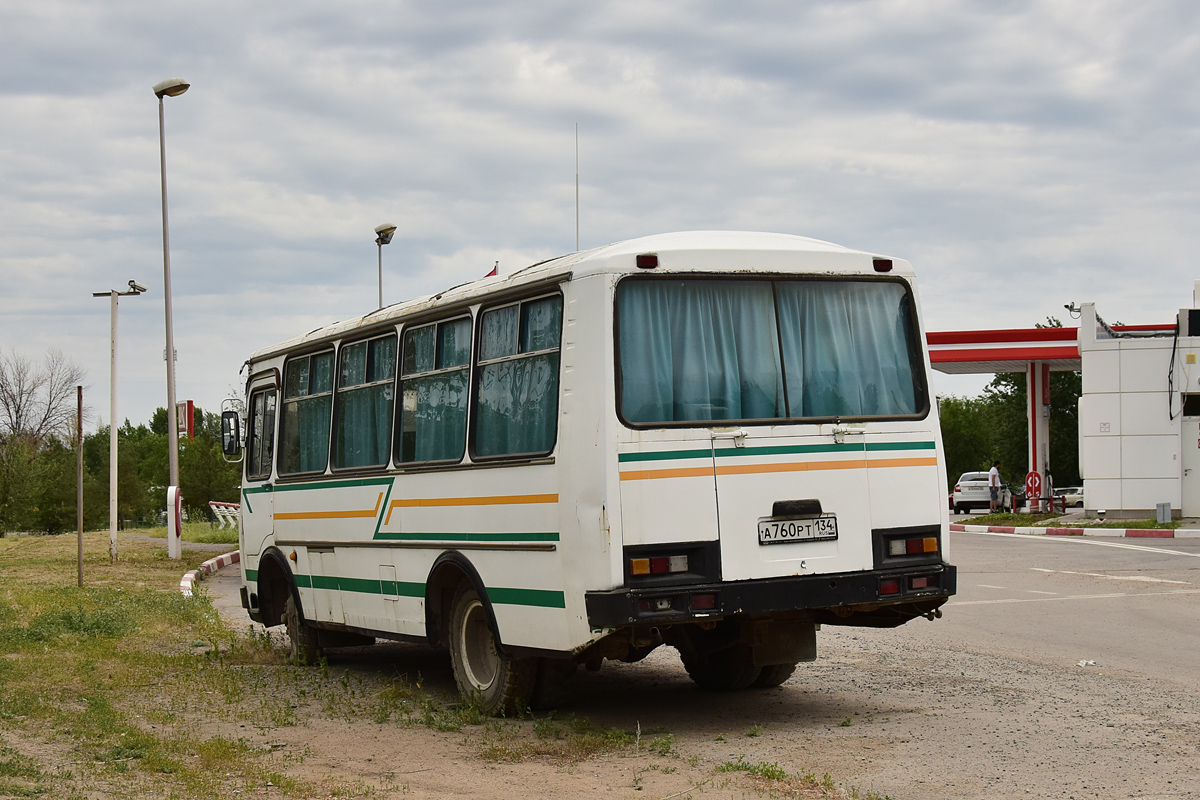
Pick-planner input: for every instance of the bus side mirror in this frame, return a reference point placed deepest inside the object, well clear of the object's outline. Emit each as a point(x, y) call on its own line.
point(231, 439)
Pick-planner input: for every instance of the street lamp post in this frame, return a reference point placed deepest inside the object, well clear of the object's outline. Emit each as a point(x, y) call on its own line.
point(135, 289)
point(384, 236)
point(171, 87)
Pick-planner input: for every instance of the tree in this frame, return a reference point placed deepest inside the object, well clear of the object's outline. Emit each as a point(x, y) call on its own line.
point(37, 402)
point(37, 409)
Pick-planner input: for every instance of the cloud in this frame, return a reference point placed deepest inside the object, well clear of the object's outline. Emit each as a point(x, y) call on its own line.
point(1021, 154)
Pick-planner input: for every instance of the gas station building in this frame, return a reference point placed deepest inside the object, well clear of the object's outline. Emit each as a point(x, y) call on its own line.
point(1139, 414)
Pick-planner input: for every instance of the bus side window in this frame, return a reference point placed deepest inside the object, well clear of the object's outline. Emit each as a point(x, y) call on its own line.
point(304, 423)
point(433, 396)
point(516, 411)
point(262, 435)
point(366, 386)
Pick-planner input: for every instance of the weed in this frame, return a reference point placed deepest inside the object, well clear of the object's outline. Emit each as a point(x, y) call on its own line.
point(846, 723)
point(770, 771)
point(755, 730)
point(662, 744)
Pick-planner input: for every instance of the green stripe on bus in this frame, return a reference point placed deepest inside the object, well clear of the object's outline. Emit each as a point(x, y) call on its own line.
point(665, 455)
point(252, 575)
point(541, 598)
point(738, 452)
point(901, 445)
point(527, 597)
point(467, 537)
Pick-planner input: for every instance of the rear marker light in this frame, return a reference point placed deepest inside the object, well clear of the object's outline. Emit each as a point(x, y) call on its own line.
point(918, 583)
point(639, 566)
point(704, 602)
point(678, 564)
point(913, 547)
point(647, 260)
point(658, 565)
point(883, 265)
point(890, 586)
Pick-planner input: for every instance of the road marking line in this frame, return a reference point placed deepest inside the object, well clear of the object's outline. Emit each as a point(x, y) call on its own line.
point(1141, 578)
point(1070, 597)
point(1079, 540)
point(989, 586)
point(1035, 591)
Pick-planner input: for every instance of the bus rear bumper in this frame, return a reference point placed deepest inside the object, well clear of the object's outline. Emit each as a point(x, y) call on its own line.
point(876, 598)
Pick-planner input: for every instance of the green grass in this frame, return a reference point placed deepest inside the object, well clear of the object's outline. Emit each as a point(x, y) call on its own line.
point(110, 683)
point(1055, 521)
point(200, 532)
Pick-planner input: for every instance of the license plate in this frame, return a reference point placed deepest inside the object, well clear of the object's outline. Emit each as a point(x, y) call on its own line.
point(773, 530)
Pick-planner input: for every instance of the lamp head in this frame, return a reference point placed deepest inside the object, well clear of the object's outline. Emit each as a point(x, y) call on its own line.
point(171, 87)
point(385, 233)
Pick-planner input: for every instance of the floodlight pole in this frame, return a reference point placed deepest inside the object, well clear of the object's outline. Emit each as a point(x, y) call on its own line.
point(172, 87)
point(383, 236)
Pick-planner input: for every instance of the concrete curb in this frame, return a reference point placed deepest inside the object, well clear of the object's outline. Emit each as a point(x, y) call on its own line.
point(207, 568)
point(1128, 533)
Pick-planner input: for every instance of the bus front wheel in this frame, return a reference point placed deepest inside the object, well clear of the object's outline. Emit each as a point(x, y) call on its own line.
point(305, 646)
point(498, 684)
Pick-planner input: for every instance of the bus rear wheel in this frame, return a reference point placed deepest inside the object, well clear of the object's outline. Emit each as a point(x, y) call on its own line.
point(498, 684)
point(773, 675)
point(725, 670)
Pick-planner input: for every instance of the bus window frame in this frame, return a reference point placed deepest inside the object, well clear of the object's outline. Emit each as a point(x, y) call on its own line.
point(917, 358)
point(252, 439)
point(477, 364)
point(398, 405)
point(323, 347)
point(338, 391)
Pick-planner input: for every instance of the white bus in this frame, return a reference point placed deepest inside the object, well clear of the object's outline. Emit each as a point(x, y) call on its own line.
point(716, 441)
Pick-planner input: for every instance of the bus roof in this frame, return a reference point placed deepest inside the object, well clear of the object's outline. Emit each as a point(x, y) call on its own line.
point(599, 259)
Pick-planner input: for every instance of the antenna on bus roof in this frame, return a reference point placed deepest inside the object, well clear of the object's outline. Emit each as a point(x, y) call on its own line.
point(576, 187)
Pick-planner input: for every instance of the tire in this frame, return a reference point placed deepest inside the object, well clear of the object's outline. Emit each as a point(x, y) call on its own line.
point(305, 645)
point(773, 675)
point(553, 685)
point(499, 685)
point(725, 670)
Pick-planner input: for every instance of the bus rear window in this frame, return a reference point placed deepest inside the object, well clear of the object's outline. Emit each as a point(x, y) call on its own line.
point(694, 350)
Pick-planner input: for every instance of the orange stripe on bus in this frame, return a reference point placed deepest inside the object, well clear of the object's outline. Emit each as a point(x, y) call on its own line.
point(652, 474)
point(354, 514)
point(790, 466)
point(499, 500)
point(902, 462)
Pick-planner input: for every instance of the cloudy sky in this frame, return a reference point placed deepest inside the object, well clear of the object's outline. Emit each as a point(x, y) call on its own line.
point(1022, 155)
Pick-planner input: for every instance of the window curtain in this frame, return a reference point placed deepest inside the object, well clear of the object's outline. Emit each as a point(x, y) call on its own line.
point(517, 403)
point(846, 347)
point(434, 418)
point(364, 426)
point(699, 350)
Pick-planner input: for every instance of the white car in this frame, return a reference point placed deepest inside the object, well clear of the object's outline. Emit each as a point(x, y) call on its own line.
point(1072, 495)
point(971, 491)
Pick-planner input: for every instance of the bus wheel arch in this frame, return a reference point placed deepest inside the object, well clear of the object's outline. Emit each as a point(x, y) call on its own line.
point(275, 587)
point(459, 615)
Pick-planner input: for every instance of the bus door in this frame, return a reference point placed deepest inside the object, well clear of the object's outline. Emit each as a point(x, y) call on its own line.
point(258, 512)
point(792, 504)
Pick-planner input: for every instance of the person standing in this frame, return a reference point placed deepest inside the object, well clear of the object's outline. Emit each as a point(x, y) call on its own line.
point(994, 486)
